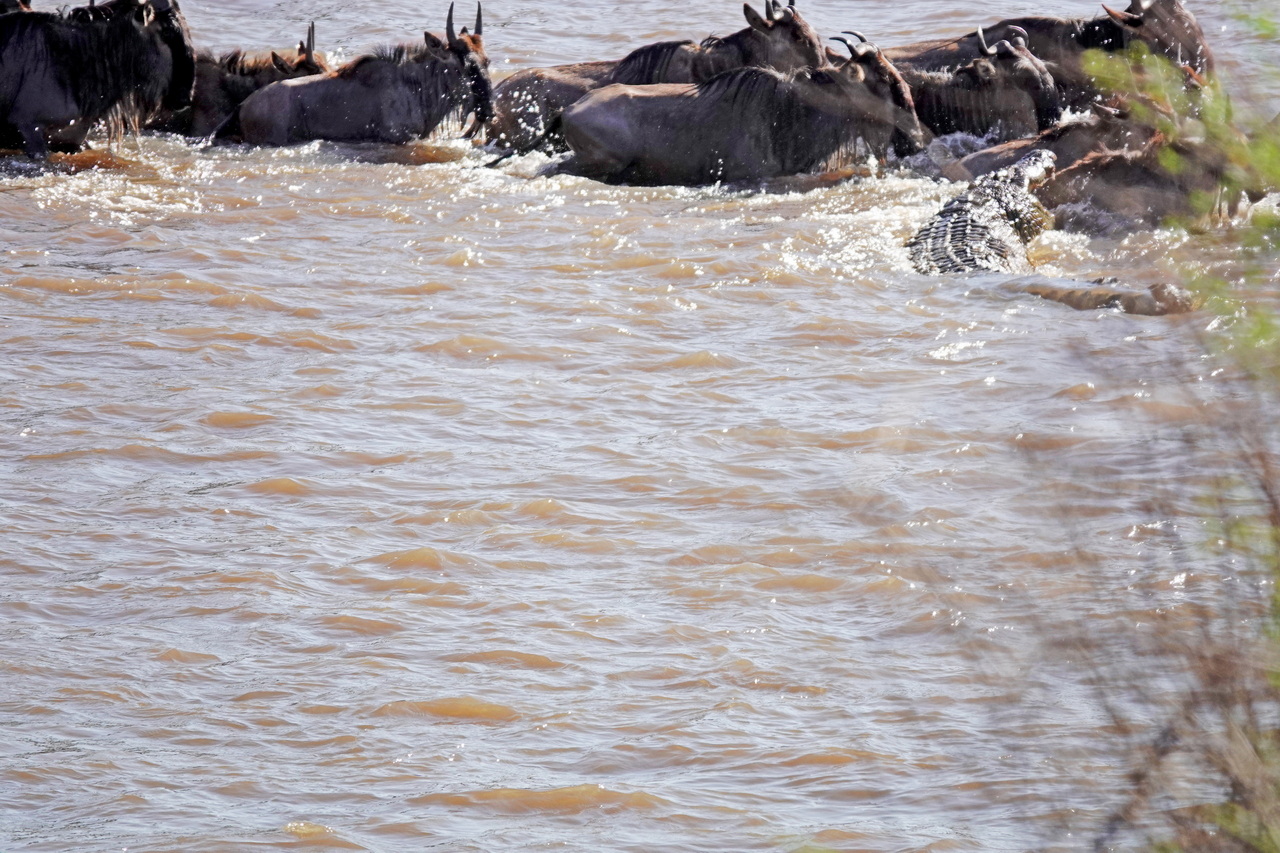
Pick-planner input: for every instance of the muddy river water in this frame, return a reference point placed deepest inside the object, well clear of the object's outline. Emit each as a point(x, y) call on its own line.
point(365, 498)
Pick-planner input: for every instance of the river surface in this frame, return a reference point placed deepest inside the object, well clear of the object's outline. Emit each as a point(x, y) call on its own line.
point(365, 498)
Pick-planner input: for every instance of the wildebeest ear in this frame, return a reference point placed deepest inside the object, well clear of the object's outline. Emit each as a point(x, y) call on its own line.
point(753, 18)
point(433, 42)
point(279, 62)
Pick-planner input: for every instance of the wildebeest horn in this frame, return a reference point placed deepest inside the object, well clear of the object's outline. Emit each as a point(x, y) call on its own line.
point(479, 30)
point(982, 42)
point(844, 41)
point(770, 12)
point(1022, 34)
point(858, 51)
point(859, 36)
point(1122, 18)
point(311, 40)
point(448, 27)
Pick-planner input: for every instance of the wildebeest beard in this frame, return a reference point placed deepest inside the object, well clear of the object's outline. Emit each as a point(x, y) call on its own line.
point(109, 64)
point(171, 28)
point(481, 91)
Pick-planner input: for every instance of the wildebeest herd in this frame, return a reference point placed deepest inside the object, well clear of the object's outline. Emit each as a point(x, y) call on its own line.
point(769, 100)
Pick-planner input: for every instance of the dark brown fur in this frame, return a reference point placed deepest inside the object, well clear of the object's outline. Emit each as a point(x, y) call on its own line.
point(528, 102)
point(1167, 28)
point(65, 75)
point(742, 125)
point(223, 83)
point(1008, 95)
point(395, 94)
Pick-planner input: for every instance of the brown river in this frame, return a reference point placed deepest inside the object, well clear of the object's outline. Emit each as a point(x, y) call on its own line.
point(364, 498)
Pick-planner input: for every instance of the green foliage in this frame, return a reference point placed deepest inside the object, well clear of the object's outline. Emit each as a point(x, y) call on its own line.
point(1227, 723)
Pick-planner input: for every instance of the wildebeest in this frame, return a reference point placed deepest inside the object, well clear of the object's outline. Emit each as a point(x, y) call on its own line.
point(1005, 93)
point(395, 94)
point(1164, 26)
point(1114, 190)
point(742, 125)
point(527, 103)
point(1104, 129)
point(223, 82)
point(60, 76)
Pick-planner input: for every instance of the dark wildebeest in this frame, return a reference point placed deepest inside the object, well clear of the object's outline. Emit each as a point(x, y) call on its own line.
point(1006, 93)
point(396, 94)
point(1104, 130)
point(1114, 190)
point(60, 76)
point(527, 103)
point(742, 125)
point(1164, 26)
point(223, 82)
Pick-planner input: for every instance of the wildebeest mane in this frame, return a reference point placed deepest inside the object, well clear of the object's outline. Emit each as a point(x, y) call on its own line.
point(240, 63)
point(395, 54)
point(648, 64)
point(734, 43)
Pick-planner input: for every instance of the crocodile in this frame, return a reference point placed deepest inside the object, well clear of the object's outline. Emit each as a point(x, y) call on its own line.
point(988, 226)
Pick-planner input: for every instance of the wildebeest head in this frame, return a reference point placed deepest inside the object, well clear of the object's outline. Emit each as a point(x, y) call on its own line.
point(171, 27)
point(465, 51)
point(877, 74)
point(1167, 28)
point(163, 22)
point(1013, 65)
point(783, 41)
point(306, 63)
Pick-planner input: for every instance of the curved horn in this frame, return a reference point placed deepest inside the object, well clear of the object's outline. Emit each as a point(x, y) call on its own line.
point(770, 11)
point(982, 42)
point(1122, 18)
point(859, 36)
point(1020, 33)
point(479, 30)
point(448, 27)
point(844, 41)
